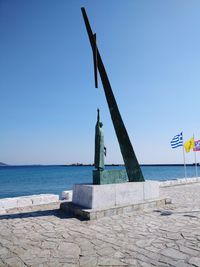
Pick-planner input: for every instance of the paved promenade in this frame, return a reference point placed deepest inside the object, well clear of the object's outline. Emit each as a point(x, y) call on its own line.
point(152, 238)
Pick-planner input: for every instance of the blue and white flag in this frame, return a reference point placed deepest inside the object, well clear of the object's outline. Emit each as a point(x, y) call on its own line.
point(177, 140)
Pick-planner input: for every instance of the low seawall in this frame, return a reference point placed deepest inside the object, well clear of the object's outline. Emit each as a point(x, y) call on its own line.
point(28, 203)
point(181, 181)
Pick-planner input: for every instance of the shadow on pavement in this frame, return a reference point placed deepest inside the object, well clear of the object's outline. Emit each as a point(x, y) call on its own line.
point(55, 212)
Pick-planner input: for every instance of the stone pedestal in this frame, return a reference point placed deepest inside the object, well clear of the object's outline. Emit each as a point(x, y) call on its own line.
point(110, 195)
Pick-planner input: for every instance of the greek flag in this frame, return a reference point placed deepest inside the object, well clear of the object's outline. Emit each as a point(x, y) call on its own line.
point(177, 140)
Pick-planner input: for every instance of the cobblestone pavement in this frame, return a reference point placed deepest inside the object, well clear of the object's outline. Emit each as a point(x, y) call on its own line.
point(151, 238)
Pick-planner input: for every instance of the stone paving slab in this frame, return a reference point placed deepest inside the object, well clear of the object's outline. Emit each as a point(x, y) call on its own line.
point(152, 238)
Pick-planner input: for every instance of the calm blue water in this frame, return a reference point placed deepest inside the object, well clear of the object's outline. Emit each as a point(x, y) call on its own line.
point(28, 180)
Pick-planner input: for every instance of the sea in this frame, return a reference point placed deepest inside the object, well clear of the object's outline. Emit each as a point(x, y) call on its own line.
point(29, 180)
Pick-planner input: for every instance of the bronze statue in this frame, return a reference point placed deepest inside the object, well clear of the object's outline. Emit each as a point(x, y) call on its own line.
point(100, 150)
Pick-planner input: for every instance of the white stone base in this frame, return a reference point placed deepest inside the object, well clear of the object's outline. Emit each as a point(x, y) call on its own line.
point(109, 195)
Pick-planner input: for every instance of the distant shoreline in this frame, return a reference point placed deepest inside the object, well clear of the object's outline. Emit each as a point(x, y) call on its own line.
point(86, 165)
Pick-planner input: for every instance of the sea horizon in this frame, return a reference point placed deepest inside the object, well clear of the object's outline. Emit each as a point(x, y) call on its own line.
point(90, 164)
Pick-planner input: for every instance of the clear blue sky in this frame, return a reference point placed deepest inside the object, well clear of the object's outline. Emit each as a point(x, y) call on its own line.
point(151, 50)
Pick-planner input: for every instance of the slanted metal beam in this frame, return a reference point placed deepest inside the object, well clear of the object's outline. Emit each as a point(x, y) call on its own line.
point(95, 62)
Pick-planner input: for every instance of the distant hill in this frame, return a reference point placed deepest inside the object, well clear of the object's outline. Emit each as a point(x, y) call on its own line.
point(3, 164)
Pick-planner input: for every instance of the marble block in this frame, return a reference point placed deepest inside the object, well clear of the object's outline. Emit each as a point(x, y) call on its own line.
point(100, 196)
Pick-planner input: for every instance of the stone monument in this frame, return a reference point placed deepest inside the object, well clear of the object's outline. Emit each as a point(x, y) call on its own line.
point(112, 190)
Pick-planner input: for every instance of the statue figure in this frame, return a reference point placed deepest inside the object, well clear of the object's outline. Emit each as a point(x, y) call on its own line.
point(100, 150)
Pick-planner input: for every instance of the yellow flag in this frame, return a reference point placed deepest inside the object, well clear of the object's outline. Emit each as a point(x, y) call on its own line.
point(189, 144)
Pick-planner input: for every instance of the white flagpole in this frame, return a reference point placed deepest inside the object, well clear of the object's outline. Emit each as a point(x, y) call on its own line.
point(184, 159)
point(184, 162)
point(195, 160)
point(195, 163)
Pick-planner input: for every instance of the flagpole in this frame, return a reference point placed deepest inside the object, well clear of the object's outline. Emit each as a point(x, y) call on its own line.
point(185, 169)
point(195, 163)
point(177, 141)
point(195, 160)
point(184, 162)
